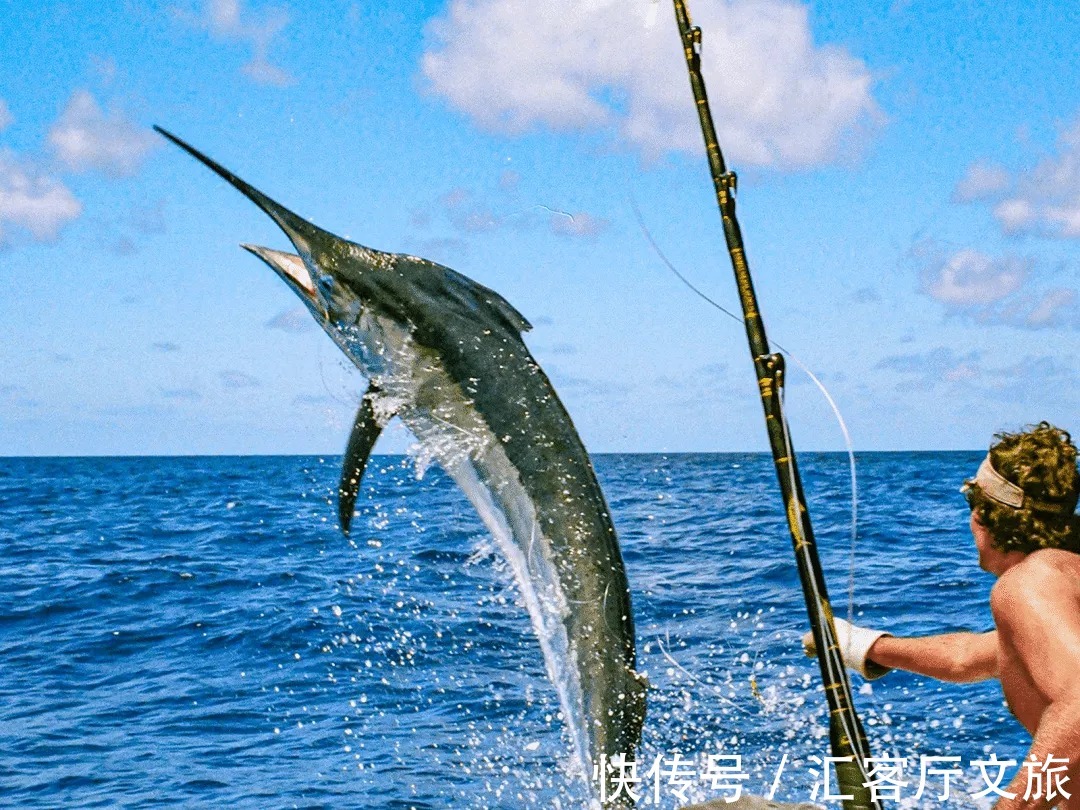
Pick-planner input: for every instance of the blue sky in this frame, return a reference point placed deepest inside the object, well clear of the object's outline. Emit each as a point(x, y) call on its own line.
point(910, 197)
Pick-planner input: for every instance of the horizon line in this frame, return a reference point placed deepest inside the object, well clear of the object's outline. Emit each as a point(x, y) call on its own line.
point(5, 457)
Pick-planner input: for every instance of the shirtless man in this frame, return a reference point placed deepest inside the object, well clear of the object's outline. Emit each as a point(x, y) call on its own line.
point(1022, 502)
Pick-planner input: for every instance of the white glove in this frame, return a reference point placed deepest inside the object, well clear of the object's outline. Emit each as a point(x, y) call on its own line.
point(855, 643)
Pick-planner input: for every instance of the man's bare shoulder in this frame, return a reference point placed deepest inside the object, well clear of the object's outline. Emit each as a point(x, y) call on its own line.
point(1047, 562)
point(1045, 575)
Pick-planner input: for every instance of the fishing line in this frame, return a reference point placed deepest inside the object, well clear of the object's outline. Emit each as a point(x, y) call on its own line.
point(851, 470)
point(648, 235)
point(555, 212)
point(821, 387)
point(836, 674)
point(325, 383)
point(698, 681)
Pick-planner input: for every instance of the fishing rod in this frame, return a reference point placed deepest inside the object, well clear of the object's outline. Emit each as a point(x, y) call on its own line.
point(846, 735)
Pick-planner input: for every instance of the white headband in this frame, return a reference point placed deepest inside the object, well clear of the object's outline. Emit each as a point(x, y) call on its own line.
point(1000, 489)
point(997, 487)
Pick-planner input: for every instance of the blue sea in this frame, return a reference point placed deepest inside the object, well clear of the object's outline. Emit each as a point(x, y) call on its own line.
point(196, 632)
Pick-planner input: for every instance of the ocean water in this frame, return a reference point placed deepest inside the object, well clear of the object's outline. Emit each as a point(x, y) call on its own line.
point(195, 632)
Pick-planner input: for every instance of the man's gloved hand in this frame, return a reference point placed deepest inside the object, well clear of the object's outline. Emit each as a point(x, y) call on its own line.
point(855, 643)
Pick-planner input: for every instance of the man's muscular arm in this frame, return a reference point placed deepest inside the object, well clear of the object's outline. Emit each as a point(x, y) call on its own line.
point(955, 657)
point(1035, 606)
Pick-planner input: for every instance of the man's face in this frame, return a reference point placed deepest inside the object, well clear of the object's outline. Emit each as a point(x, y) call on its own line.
point(992, 559)
point(988, 555)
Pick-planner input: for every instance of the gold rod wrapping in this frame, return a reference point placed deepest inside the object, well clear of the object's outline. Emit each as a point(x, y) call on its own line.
point(846, 735)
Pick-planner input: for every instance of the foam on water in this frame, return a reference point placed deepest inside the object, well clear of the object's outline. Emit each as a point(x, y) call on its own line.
point(475, 459)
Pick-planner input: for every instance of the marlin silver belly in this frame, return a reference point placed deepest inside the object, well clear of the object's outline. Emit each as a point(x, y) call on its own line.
point(446, 356)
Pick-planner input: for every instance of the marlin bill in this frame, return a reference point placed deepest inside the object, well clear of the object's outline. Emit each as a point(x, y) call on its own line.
point(445, 355)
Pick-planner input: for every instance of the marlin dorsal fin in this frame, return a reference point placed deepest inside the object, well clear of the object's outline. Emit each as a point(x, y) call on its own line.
point(365, 432)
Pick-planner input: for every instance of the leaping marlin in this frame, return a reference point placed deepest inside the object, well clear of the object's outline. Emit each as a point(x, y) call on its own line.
point(445, 355)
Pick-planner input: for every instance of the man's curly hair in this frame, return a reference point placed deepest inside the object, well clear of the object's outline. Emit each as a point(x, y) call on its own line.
point(1041, 460)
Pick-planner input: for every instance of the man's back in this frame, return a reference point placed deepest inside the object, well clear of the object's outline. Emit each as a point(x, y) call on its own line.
point(1036, 607)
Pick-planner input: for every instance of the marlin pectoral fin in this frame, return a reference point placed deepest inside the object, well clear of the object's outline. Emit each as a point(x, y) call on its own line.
point(365, 432)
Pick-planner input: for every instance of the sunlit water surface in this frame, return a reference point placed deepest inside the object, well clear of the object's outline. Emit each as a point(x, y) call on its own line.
point(196, 632)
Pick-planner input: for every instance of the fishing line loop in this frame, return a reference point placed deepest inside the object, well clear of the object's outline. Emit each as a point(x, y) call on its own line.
point(802, 366)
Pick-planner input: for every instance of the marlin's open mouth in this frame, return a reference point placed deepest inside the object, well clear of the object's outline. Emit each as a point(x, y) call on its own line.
point(290, 265)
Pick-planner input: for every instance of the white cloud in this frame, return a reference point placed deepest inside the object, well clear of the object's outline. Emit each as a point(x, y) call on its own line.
point(230, 21)
point(1065, 220)
point(779, 99)
point(1014, 216)
point(1047, 199)
point(962, 372)
point(982, 181)
point(442, 249)
point(295, 320)
point(980, 372)
point(238, 379)
point(469, 213)
point(999, 291)
point(459, 207)
point(33, 201)
point(6, 118)
point(936, 365)
point(85, 137)
point(479, 221)
point(105, 69)
point(1055, 306)
point(182, 394)
point(509, 180)
point(969, 279)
